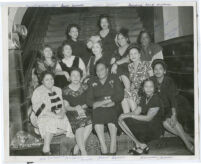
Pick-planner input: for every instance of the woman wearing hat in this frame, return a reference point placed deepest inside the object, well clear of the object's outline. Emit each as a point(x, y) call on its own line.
point(168, 93)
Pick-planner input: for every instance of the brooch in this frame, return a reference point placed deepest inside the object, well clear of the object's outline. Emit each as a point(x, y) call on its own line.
point(111, 83)
point(94, 84)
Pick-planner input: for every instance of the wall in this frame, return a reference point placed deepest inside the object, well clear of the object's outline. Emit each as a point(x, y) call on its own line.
point(172, 22)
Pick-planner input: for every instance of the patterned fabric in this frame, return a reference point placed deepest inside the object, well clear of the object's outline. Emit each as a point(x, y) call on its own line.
point(46, 121)
point(138, 76)
point(75, 98)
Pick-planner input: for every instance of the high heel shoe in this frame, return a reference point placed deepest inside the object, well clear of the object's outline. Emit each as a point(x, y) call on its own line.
point(135, 151)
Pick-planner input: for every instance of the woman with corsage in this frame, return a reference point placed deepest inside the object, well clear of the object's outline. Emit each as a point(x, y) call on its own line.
point(104, 97)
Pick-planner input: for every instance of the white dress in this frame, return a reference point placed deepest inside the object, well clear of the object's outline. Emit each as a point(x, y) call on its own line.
point(45, 104)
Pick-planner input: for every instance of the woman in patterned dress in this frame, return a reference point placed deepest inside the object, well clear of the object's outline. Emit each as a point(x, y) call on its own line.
point(48, 113)
point(77, 111)
point(64, 67)
point(138, 72)
point(47, 62)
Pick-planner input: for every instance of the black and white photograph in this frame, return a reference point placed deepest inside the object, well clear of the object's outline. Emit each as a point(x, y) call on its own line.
point(101, 81)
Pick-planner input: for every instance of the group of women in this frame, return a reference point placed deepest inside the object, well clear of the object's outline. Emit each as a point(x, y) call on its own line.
point(118, 85)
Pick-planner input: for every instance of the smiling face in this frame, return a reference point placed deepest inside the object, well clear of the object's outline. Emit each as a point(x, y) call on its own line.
point(122, 41)
point(134, 55)
point(145, 39)
point(149, 88)
point(159, 70)
point(73, 33)
point(101, 71)
point(47, 52)
point(48, 81)
point(96, 49)
point(104, 23)
point(67, 51)
point(75, 77)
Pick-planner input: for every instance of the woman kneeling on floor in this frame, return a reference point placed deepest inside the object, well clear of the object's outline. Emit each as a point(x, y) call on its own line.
point(48, 114)
point(145, 123)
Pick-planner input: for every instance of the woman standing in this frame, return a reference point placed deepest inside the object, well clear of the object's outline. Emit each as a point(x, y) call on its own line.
point(47, 62)
point(104, 96)
point(149, 50)
point(168, 91)
point(138, 71)
point(48, 113)
point(64, 67)
point(145, 124)
point(77, 111)
point(107, 36)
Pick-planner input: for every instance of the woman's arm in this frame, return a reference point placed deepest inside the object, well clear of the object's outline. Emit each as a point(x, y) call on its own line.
point(123, 60)
point(67, 106)
point(102, 103)
point(150, 115)
point(82, 67)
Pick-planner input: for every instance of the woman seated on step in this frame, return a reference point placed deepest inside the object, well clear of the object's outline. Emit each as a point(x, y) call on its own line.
point(46, 62)
point(64, 66)
point(168, 93)
point(104, 97)
point(48, 114)
point(145, 123)
point(75, 95)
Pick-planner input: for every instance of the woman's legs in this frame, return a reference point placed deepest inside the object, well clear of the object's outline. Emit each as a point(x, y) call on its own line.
point(126, 129)
point(178, 130)
point(113, 135)
point(125, 106)
point(87, 132)
point(79, 135)
point(47, 140)
point(100, 132)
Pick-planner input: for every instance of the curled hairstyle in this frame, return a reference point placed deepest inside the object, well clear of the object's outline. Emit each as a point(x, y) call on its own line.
point(159, 61)
point(78, 70)
point(140, 36)
point(43, 74)
point(101, 17)
point(141, 91)
point(68, 28)
point(43, 48)
point(124, 32)
point(62, 48)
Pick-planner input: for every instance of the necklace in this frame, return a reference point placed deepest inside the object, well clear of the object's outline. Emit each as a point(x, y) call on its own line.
point(148, 99)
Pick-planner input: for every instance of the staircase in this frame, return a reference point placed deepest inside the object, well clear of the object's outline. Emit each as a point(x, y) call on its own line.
point(87, 20)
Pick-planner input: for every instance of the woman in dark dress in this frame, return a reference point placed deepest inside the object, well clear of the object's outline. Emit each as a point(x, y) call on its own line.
point(120, 63)
point(145, 124)
point(47, 62)
point(64, 67)
point(78, 47)
point(168, 93)
point(107, 36)
point(149, 50)
point(104, 96)
point(74, 96)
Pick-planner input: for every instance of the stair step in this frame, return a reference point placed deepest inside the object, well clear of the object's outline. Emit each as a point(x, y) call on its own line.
point(50, 39)
point(56, 33)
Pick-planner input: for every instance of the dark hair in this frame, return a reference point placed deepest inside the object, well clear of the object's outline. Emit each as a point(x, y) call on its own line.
point(62, 48)
point(140, 35)
point(43, 74)
point(101, 61)
point(69, 28)
point(124, 32)
point(103, 16)
point(159, 61)
point(134, 46)
point(141, 92)
point(43, 48)
point(78, 70)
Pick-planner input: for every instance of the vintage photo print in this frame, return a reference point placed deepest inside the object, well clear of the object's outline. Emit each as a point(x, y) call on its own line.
point(100, 81)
